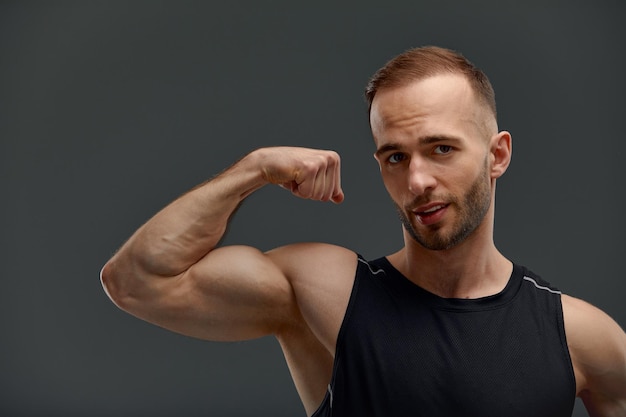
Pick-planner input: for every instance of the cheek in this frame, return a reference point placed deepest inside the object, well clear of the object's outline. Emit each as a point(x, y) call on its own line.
point(398, 191)
point(392, 183)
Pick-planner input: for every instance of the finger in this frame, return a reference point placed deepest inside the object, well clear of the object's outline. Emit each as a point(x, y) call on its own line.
point(326, 180)
point(322, 165)
point(330, 181)
point(305, 179)
point(320, 188)
point(337, 196)
point(331, 190)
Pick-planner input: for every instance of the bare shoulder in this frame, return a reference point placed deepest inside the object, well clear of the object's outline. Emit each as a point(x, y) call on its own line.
point(322, 276)
point(597, 346)
point(590, 329)
point(300, 260)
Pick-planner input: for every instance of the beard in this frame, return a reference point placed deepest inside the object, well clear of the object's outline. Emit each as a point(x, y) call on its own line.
point(472, 208)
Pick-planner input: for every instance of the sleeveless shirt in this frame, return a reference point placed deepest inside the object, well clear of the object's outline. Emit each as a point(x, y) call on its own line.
point(405, 352)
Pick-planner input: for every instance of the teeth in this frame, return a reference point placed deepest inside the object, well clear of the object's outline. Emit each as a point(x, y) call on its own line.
point(430, 210)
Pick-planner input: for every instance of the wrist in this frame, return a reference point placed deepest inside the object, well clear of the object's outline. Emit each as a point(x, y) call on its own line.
point(245, 176)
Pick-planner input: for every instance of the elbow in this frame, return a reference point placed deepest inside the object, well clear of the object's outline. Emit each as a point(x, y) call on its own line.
point(113, 285)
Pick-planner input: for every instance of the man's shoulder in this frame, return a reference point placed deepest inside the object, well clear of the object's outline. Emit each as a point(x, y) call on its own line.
point(583, 319)
point(596, 342)
point(312, 260)
point(582, 315)
point(321, 276)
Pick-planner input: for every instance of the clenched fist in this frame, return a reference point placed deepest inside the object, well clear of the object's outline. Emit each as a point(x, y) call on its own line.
point(308, 173)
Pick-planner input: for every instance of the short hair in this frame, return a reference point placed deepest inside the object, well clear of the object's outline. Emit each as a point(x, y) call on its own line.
point(419, 63)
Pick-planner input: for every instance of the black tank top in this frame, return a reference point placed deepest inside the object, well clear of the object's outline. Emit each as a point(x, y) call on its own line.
point(405, 352)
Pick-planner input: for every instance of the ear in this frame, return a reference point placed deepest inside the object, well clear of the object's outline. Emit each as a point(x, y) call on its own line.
point(500, 149)
point(380, 167)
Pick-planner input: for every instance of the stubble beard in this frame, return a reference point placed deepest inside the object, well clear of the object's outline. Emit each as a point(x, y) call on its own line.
point(471, 212)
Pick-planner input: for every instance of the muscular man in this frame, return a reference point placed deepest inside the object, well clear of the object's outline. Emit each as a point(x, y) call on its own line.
point(447, 326)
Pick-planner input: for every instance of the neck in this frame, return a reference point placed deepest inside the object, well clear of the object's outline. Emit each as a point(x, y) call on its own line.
point(472, 269)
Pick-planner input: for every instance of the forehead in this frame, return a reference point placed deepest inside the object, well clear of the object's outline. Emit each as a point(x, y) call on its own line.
point(442, 102)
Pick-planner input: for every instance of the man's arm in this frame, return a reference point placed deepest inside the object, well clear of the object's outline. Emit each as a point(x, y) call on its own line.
point(597, 346)
point(170, 272)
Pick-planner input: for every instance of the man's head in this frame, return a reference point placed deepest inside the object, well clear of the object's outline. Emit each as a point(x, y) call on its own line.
point(437, 145)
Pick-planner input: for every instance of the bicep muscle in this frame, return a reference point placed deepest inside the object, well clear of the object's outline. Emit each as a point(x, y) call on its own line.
point(233, 293)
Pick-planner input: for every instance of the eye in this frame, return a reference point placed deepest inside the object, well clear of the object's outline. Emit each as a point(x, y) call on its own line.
point(395, 158)
point(443, 149)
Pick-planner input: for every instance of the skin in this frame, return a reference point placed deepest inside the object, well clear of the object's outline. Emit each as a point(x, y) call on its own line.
point(438, 148)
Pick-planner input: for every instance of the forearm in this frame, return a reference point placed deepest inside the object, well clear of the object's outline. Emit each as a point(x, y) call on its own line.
point(191, 226)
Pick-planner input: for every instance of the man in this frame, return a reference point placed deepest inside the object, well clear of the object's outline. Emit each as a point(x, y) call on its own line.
point(447, 326)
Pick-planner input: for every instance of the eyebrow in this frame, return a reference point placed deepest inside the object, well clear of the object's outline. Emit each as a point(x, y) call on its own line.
point(426, 140)
point(388, 147)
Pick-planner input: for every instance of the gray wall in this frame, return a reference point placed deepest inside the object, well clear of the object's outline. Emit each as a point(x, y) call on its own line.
point(109, 110)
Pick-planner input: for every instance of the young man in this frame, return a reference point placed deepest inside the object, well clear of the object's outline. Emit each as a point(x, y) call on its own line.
point(445, 327)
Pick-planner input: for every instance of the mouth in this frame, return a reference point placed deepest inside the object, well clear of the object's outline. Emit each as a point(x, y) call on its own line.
point(430, 214)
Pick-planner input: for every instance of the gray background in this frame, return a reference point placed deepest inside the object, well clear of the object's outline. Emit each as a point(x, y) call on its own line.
point(109, 110)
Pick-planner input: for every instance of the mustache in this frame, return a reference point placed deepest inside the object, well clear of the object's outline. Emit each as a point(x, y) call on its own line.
point(423, 200)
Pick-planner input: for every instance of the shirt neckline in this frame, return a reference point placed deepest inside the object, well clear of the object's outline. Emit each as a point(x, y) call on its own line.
point(460, 304)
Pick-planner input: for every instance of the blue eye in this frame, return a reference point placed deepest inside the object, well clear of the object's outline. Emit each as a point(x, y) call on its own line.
point(395, 158)
point(443, 149)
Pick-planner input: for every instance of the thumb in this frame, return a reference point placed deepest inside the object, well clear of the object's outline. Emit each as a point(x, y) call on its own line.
point(291, 186)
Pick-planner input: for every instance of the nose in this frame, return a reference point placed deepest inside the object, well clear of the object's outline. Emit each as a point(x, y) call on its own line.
point(421, 179)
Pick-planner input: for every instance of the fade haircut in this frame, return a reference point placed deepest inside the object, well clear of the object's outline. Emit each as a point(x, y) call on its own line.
point(419, 63)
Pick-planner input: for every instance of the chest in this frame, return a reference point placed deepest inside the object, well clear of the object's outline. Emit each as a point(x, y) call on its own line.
point(402, 356)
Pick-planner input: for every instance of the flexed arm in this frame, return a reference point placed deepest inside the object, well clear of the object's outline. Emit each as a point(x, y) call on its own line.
point(170, 273)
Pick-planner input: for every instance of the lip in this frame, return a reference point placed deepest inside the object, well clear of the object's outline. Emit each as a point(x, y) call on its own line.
point(429, 206)
point(430, 213)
